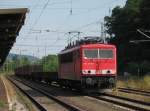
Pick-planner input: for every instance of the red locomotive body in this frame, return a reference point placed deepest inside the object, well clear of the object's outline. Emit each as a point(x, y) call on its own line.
point(89, 65)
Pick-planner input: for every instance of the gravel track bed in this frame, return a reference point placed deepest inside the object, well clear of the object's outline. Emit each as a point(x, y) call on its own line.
point(44, 101)
point(79, 100)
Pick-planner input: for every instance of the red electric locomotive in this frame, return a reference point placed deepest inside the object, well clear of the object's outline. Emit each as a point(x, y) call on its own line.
point(90, 65)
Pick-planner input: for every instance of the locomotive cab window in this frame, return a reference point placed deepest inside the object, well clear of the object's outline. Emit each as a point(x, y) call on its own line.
point(98, 53)
point(108, 54)
point(90, 53)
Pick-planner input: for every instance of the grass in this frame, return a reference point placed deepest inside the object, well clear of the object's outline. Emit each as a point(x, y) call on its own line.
point(134, 82)
point(142, 83)
point(2, 104)
point(6, 73)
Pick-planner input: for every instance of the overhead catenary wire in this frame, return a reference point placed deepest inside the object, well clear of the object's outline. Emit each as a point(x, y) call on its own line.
point(45, 8)
point(143, 33)
point(57, 32)
point(89, 10)
point(31, 11)
point(29, 45)
point(36, 21)
point(70, 9)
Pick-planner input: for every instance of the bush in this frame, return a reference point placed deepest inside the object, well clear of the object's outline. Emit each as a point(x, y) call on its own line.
point(134, 82)
point(146, 80)
point(138, 67)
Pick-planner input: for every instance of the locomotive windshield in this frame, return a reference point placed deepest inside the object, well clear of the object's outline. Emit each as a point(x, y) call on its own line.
point(98, 53)
point(91, 53)
point(108, 54)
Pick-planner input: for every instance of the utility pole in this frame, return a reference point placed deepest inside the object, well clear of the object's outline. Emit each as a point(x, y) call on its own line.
point(103, 35)
point(109, 11)
point(45, 57)
point(71, 7)
point(20, 53)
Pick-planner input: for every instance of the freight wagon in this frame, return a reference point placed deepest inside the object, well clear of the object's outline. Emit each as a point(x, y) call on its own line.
point(26, 71)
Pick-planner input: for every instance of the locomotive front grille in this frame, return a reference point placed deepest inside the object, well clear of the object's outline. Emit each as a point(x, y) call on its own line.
point(99, 81)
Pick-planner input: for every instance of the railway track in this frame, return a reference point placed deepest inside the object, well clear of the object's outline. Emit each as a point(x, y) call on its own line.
point(125, 102)
point(108, 107)
point(134, 91)
point(122, 101)
point(21, 85)
point(118, 101)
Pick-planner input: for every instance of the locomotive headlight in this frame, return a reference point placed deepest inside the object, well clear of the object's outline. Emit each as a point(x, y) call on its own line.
point(84, 71)
point(107, 71)
point(89, 71)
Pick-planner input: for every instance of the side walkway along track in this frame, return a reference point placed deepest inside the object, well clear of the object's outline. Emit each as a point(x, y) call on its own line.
point(3, 96)
point(42, 99)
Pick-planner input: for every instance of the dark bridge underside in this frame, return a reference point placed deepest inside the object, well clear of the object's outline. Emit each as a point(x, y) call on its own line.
point(11, 21)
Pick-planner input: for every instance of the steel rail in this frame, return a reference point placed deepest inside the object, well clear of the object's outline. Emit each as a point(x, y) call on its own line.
point(38, 105)
point(100, 96)
point(59, 101)
point(134, 91)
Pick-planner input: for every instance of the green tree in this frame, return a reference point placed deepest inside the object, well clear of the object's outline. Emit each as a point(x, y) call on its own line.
point(145, 14)
point(122, 26)
point(124, 22)
point(24, 61)
point(50, 63)
point(11, 64)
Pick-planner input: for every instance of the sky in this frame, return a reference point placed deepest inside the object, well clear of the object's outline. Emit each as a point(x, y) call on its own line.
point(48, 22)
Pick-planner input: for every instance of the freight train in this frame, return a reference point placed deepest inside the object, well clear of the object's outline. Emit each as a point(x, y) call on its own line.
point(86, 64)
